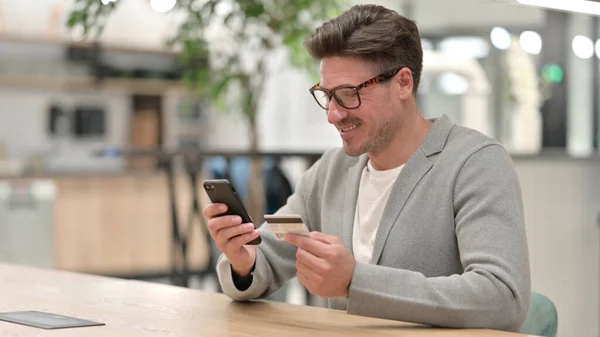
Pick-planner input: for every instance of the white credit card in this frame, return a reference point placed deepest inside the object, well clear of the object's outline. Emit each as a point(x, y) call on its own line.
point(282, 224)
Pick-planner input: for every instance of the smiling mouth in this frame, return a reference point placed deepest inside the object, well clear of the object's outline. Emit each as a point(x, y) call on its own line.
point(350, 127)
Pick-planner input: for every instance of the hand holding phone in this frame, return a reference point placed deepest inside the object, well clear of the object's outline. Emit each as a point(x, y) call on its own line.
point(231, 226)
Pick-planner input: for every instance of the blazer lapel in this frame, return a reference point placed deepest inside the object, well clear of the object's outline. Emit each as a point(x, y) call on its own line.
point(350, 198)
point(411, 174)
point(414, 170)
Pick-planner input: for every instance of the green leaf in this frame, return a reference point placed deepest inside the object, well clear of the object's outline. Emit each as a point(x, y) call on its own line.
point(74, 19)
point(222, 85)
point(255, 10)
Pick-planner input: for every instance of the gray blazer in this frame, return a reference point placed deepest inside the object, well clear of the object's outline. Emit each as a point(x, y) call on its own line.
point(451, 249)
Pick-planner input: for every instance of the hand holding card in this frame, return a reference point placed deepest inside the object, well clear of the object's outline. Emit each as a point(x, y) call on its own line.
point(282, 224)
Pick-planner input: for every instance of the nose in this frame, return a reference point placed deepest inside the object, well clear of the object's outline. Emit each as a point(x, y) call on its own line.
point(336, 113)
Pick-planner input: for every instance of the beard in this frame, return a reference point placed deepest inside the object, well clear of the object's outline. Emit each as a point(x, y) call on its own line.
point(388, 128)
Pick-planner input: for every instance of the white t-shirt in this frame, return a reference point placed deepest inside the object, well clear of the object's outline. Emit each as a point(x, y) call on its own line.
point(373, 193)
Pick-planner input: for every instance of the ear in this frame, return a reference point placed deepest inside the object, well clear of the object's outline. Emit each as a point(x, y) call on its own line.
point(404, 80)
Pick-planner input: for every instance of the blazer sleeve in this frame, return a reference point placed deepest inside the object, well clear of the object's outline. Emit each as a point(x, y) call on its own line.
point(494, 290)
point(275, 260)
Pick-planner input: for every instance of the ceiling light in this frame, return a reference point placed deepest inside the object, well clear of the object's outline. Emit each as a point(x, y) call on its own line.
point(223, 8)
point(580, 6)
point(162, 6)
point(531, 42)
point(465, 47)
point(583, 47)
point(500, 38)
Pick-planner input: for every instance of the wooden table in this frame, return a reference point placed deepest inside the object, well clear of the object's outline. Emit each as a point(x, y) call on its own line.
point(136, 308)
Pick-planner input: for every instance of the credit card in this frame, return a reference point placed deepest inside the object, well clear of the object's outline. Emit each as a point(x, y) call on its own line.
point(282, 224)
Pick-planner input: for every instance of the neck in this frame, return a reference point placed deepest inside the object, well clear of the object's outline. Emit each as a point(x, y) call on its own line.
point(407, 140)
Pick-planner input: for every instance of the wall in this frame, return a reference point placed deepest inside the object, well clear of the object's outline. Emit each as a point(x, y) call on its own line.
point(580, 89)
point(432, 15)
point(301, 123)
point(134, 24)
point(562, 213)
point(23, 128)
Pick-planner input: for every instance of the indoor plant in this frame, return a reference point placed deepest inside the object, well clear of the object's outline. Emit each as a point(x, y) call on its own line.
point(231, 73)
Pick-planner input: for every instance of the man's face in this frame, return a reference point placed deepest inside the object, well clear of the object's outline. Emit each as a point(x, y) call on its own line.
point(372, 126)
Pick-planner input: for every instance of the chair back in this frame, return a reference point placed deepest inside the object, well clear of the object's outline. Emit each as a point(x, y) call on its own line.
point(542, 318)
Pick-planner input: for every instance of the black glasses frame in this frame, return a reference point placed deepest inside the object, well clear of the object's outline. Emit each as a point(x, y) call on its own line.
point(370, 82)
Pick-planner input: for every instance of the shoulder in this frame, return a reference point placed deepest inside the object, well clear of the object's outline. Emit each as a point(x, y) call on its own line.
point(451, 144)
point(337, 158)
point(331, 168)
point(461, 153)
point(466, 146)
point(464, 142)
point(477, 160)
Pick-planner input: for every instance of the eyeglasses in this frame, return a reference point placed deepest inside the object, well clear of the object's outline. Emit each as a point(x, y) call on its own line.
point(347, 95)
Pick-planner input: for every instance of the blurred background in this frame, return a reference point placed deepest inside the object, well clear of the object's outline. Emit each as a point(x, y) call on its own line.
point(104, 142)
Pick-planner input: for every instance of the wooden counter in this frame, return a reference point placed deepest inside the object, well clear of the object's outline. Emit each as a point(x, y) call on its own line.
point(135, 308)
point(120, 224)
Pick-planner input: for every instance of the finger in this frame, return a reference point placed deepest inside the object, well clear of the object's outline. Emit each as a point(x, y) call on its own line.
point(212, 210)
point(227, 233)
point(307, 270)
point(315, 247)
point(216, 224)
point(240, 240)
point(326, 238)
point(306, 282)
point(312, 262)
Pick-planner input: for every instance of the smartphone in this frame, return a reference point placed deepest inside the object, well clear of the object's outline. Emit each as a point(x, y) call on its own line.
point(222, 191)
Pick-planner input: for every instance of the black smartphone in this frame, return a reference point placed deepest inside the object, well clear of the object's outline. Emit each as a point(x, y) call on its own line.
point(222, 191)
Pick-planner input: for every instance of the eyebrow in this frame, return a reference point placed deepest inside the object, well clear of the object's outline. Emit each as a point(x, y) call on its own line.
point(337, 86)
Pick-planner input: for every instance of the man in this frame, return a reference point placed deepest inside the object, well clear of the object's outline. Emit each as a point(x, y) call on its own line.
point(414, 220)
